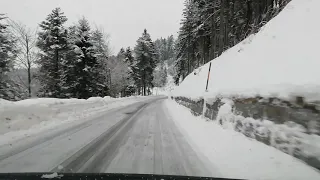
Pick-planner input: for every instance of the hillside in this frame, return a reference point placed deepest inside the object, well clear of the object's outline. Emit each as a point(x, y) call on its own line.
point(281, 60)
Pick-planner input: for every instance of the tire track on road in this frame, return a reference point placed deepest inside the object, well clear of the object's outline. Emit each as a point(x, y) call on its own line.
point(9, 150)
point(98, 154)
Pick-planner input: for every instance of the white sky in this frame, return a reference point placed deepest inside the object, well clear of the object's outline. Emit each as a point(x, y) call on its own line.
point(123, 20)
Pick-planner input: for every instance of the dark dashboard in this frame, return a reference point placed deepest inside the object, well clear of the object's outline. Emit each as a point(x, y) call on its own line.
point(97, 176)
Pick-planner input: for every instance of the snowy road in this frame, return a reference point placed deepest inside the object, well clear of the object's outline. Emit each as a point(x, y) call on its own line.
point(139, 138)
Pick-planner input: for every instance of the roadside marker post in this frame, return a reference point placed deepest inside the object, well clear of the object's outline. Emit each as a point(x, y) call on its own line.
point(208, 77)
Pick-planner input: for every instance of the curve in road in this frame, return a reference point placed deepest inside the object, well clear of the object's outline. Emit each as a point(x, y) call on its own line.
point(139, 138)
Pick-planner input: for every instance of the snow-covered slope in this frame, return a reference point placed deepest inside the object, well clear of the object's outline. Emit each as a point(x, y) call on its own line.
point(233, 155)
point(281, 60)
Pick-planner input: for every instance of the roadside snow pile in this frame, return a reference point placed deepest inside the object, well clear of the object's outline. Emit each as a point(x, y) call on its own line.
point(43, 112)
point(48, 101)
point(232, 154)
point(18, 117)
point(282, 60)
point(289, 137)
point(95, 99)
point(5, 103)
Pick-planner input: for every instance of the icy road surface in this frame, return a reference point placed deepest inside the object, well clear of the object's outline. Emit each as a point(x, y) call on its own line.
point(139, 138)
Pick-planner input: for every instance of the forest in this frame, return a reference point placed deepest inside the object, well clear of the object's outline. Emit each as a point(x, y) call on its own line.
point(75, 61)
point(210, 27)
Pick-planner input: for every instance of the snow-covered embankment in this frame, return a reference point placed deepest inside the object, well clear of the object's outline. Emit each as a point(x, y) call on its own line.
point(268, 86)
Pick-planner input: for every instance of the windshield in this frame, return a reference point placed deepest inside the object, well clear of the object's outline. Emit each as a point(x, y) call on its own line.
point(206, 88)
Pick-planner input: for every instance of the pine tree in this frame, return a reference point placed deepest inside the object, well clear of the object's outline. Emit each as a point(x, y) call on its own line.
point(52, 42)
point(170, 47)
point(69, 80)
point(129, 59)
point(165, 49)
point(128, 56)
point(7, 55)
point(164, 75)
point(160, 75)
point(86, 67)
point(120, 72)
point(186, 40)
point(121, 53)
point(102, 52)
point(145, 62)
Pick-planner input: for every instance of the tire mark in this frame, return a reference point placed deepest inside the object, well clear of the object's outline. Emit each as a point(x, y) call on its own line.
point(99, 151)
point(158, 161)
point(45, 140)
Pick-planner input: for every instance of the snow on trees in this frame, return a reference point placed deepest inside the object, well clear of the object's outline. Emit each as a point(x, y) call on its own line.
point(146, 59)
point(8, 89)
point(83, 74)
point(210, 27)
point(27, 55)
point(160, 75)
point(52, 41)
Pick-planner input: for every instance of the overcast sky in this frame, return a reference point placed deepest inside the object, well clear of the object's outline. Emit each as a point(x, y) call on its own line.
point(123, 20)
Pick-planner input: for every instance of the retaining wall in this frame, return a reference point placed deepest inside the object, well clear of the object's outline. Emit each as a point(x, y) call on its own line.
point(292, 127)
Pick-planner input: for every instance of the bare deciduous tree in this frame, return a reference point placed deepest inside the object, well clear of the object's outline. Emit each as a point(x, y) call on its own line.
point(26, 43)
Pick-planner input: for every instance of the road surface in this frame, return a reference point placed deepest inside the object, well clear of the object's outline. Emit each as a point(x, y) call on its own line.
point(139, 138)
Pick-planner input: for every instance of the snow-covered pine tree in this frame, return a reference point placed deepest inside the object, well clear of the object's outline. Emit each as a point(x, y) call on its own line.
point(164, 75)
point(121, 52)
point(161, 48)
point(52, 42)
point(133, 71)
point(102, 52)
point(129, 59)
point(166, 49)
point(69, 81)
point(170, 47)
point(146, 60)
point(128, 56)
point(86, 67)
point(135, 75)
point(120, 75)
point(160, 75)
point(7, 55)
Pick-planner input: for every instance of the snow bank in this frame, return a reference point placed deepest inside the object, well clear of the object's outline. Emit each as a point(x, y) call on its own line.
point(52, 176)
point(48, 101)
point(33, 115)
point(282, 60)
point(232, 154)
point(5, 103)
point(17, 117)
point(290, 137)
point(95, 99)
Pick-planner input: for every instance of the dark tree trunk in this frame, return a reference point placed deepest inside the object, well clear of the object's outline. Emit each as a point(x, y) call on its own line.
point(226, 27)
point(28, 66)
point(188, 52)
point(222, 21)
point(249, 16)
point(56, 80)
point(213, 32)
